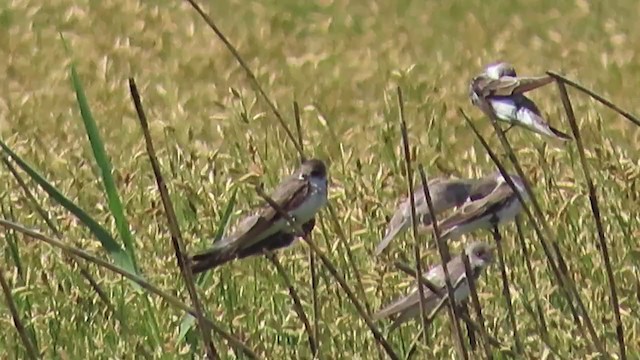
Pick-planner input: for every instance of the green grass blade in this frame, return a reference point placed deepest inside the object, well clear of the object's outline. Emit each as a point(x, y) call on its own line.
point(118, 254)
point(100, 155)
point(188, 321)
point(226, 215)
point(14, 252)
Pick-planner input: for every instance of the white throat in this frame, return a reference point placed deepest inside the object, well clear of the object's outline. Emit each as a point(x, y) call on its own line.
point(494, 71)
point(317, 198)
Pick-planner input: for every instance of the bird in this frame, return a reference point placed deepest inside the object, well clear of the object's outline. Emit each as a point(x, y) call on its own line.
point(488, 207)
point(203, 262)
point(406, 308)
point(446, 193)
point(301, 195)
point(504, 91)
point(500, 79)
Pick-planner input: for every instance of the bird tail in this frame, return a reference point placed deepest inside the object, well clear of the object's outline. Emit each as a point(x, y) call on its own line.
point(534, 121)
point(399, 320)
point(212, 258)
point(560, 134)
point(395, 227)
point(402, 313)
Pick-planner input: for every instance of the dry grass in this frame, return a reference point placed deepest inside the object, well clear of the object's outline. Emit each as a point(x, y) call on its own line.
point(342, 61)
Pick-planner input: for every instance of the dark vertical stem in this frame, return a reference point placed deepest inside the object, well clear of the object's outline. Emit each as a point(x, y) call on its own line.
point(476, 304)
point(296, 116)
point(380, 339)
point(601, 99)
point(22, 331)
point(595, 209)
point(444, 257)
point(312, 257)
point(412, 202)
point(245, 66)
point(350, 259)
point(314, 290)
point(506, 292)
point(172, 221)
point(297, 303)
point(444, 299)
point(532, 277)
point(567, 286)
point(463, 309)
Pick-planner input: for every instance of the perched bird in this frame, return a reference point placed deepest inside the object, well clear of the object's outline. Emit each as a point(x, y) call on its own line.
point(480, 256)
point(205, 261)
point(301, 195)
point(446, 193)
point(487, 208)
point(500, 79)
point(503, 90)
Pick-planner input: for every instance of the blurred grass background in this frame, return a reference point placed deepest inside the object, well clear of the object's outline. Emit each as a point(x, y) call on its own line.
point(341, 60)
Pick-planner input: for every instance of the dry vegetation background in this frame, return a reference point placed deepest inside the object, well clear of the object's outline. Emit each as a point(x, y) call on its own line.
point(341, 60)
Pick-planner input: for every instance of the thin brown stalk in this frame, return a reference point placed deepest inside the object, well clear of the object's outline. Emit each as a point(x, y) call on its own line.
point(411, 271)
point(350, 260)
point(170, 299)
point(463, 308)
point(297, 303)
point(17, 322)
point(313, 335)
point(600, 98)
point(172, 221)
point(314, 293)
point(29, 195)
point(380, 339)
point(434, 312)
point(414, 222)
point(567, 286)
point(84, 272)
point(245, 66)
point(506, 292)
point(444, 257)
point(595, 209)
point(296, 116)
point(532, 278)
point(476, 304)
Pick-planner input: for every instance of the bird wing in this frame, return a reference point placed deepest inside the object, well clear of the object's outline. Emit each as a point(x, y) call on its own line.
point(435, 275)
point(475, 209)
point(405, 302)
point(507, 85)
point(289, 194)
point(402, 216)
point(532, 118)
point(287, 197)
point(481, 189)
point(445, 194)
point(397, 224)
point(457, 193)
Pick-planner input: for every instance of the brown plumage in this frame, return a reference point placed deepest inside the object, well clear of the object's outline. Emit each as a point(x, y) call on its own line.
point(301, 195)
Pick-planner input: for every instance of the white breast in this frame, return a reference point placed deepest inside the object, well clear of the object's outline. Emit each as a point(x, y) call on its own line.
point(505, 109)
point(316, 200)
